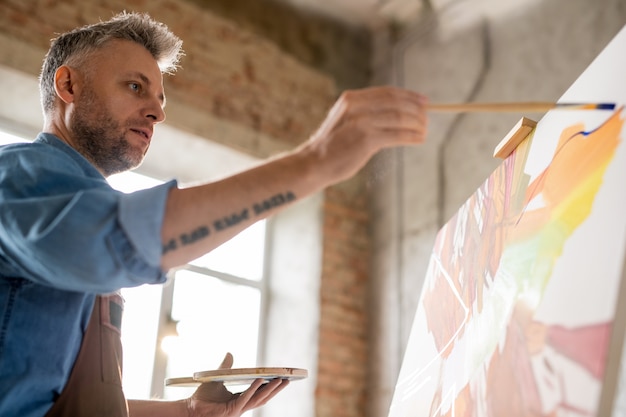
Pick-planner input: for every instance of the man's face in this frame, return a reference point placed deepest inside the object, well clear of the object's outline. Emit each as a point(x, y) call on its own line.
point(120, 101)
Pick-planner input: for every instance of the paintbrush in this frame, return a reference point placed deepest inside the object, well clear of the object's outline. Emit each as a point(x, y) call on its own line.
point(516, 107)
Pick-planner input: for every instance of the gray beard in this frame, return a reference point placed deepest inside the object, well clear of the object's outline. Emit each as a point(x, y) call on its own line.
point(100, 139)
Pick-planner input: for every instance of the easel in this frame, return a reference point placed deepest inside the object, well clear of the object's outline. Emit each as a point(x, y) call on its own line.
point(518, 133)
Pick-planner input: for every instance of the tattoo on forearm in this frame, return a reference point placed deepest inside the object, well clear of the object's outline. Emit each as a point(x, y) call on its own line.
point(195, 235)
point(273, 202)
point(187, 238)
point(203, 231)
point(233, 219)
point(170, 245)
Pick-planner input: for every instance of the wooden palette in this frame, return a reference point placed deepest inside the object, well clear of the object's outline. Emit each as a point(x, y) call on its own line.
point(238, 376)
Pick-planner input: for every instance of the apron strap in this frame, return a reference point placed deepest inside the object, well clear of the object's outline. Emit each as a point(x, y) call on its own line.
point(95, 384)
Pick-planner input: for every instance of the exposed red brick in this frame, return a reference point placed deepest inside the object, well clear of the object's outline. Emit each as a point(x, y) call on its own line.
point(343, 350)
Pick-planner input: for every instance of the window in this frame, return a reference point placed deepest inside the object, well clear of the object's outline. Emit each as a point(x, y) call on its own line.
point(216, 305)
point(209, 307)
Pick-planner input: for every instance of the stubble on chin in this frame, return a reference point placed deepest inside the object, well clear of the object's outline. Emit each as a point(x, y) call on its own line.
point(100, 139)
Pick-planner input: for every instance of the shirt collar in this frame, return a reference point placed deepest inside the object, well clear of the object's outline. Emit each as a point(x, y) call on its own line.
point(54, 141)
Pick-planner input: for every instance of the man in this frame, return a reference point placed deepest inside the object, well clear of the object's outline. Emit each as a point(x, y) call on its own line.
point(68, 242)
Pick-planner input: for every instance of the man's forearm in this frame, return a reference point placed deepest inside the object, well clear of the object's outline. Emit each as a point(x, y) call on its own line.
point(361, 123)
point(200, 218)
point(153, 408)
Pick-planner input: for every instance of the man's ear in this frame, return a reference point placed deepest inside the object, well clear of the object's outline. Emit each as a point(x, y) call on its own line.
point(64, 83)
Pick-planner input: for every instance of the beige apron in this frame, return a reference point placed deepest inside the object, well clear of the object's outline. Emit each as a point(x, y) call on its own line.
point(94, 388)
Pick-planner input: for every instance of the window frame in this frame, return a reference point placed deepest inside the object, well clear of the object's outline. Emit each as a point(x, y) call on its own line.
point(167, 324)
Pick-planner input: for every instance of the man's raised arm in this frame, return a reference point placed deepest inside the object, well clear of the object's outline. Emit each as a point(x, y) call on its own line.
point(361, 123)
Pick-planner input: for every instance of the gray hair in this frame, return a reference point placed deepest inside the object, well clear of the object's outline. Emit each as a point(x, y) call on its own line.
point(75, 46)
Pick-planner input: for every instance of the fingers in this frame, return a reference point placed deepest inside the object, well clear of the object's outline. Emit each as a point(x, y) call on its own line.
point(383, 97)
point(227, 363)
point(213, 399)
point(394, 116)
point(268, 391)
point(252, 389)
point(375, 100)
point(379, 116)
point(215, 391)
point(258, 394)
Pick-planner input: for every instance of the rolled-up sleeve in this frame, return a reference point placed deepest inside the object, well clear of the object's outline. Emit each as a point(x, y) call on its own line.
point(62, 228)
point(141, 217)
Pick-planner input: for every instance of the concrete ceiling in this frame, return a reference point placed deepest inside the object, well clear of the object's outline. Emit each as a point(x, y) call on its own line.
point(363, 12)
point(335, 36)
point(376, 13)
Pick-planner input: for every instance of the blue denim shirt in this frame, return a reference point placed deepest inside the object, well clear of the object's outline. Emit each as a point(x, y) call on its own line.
point(65, 236)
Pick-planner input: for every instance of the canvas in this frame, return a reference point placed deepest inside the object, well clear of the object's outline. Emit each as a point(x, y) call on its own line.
point(522, 310)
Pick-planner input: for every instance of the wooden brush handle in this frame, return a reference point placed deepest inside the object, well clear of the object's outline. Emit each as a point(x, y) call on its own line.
point(521, 107)
point(516, 107)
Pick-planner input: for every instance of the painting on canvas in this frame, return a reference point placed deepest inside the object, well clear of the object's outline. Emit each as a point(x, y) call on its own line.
point(518, 313)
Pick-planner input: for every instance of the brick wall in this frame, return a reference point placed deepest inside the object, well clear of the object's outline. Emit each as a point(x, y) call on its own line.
point(343, 350)
point(227, 73)
point(244, 81)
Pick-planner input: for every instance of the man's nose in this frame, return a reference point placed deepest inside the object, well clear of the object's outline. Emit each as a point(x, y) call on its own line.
point(156, 111)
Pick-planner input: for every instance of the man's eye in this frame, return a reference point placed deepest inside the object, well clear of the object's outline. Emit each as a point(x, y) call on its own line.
point(135, 87)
